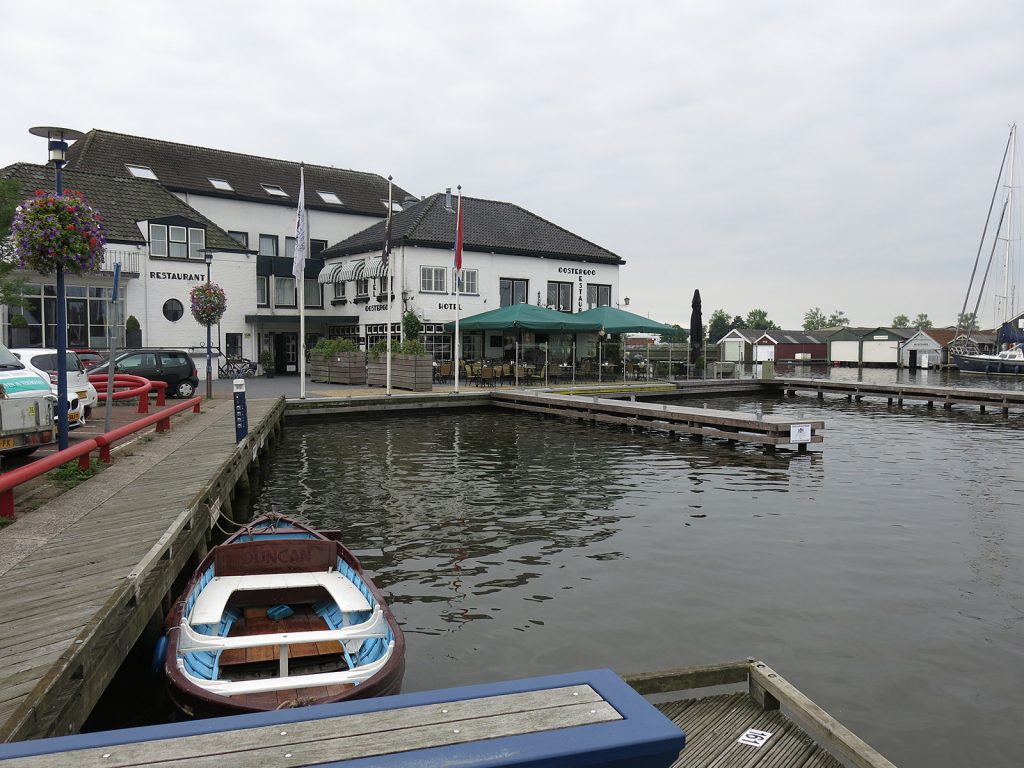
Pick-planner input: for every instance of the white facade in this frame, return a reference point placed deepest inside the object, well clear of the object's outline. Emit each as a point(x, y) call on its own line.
point(425, 277)
point(881, 349)
point(844, 351)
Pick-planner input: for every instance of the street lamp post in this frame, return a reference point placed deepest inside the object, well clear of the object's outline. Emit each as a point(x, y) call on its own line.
point(208, 256)
point(58, 139)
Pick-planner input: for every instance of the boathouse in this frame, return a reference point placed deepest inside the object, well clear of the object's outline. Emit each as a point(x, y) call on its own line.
point(797, 346)
point(927, 348)
point(737, 346)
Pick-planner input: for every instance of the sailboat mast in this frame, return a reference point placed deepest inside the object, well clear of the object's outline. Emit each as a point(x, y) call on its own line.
point(1012, 311)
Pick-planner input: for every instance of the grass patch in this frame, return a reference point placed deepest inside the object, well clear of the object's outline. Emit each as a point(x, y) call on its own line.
point(69, 475)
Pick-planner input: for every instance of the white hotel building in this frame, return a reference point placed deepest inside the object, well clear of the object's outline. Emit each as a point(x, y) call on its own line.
point(169, 204)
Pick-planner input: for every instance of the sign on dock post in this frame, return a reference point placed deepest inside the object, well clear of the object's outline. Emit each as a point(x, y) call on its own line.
point(241, 412)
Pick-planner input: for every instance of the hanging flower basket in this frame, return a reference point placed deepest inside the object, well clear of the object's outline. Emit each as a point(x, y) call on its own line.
point(208, 303)
point(52, 233)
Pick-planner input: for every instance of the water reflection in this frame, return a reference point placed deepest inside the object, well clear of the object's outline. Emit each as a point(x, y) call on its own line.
point(880, 572)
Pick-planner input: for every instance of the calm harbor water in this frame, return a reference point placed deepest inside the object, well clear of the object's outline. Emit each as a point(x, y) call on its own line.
point(880, 573)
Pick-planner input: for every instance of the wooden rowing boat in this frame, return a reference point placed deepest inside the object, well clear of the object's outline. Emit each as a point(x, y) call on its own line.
point(277, 616)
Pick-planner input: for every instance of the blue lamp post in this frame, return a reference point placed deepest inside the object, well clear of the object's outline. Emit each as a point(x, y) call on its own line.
point(208, 256)
point(58, 139)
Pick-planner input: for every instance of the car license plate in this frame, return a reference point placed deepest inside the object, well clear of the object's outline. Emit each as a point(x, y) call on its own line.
point(72, 417)
point(6, 442)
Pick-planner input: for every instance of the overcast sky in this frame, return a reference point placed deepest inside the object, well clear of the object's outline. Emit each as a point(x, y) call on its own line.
point(775, 155)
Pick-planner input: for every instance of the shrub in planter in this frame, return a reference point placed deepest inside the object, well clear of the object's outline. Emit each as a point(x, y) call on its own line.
point(337, 361)
point(132, 332)
point(267, 362)
point(411, 368)
point(19, 331)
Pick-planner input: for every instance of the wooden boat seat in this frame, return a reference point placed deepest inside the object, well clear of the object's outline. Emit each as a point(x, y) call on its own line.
point(377, 626)
point(239, 687)
point(209, 606)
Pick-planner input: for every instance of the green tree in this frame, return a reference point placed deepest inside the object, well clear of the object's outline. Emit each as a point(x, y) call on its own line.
point(901, 321)
point(922, 321)
point(10, 286)
point(837, 319)
point(678, 336)
point(738, 322)
point(814, 319)
point(966, 321)
point(758, 318)
point(718, 326)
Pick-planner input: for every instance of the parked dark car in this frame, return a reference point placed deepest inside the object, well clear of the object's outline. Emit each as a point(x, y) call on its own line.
point(90, 357)
point(172, 366)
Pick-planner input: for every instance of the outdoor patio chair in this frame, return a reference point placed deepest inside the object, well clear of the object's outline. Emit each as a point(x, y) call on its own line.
point(487, 376)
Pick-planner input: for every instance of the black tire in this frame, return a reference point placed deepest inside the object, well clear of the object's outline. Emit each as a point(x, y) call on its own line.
point(29, 449)
point(185, 389)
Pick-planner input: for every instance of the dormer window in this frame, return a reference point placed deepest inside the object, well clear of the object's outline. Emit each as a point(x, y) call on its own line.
point(395, 205)
point(222, 184)
point(141, 171)
point(273, 189)
point(329, 197)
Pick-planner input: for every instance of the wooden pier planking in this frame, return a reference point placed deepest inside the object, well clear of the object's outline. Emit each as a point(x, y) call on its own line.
point(528, 721)
point(105, 575)
point(947, 397)
point(700, 423)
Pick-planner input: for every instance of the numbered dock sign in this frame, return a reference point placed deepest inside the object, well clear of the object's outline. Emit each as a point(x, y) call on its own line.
point(755, 738)
point(800, 433)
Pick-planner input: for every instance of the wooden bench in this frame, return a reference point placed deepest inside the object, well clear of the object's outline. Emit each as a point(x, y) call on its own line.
point(210, 605)
point(582, 719)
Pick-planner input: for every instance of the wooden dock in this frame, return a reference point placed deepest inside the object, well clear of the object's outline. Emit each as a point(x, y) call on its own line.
point(897, 394)
point(698, 423)
point(590, 718)
point(80, 594)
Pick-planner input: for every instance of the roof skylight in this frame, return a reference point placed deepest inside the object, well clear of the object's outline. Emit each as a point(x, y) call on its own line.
point(329, 197)
point(221, 184)
point(273, 189)
point(141, 171)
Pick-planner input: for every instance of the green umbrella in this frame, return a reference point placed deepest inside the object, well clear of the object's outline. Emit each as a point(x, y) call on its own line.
point(528, 317)
point(615, 320)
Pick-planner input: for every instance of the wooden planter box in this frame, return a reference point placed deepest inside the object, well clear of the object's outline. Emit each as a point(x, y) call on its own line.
point(343, 368)
point(413, 372)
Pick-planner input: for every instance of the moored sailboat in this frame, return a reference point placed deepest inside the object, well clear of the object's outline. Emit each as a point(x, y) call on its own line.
point(1007, 358)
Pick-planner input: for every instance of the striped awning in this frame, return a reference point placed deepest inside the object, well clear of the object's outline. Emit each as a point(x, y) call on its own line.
point(330, 272)
point(352, 270)
point(375, 267)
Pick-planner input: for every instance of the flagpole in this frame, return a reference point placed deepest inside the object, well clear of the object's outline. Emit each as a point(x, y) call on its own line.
point(458, 269)
point(387, 280)
point(299, 272)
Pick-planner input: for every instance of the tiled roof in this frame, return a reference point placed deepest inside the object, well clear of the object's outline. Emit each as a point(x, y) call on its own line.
point(186, 168)
point(123, 202)
point(489, 226)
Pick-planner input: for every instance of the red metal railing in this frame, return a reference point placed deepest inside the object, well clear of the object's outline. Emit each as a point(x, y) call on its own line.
point(137, 386)
point(162, 419)
point(15, 477)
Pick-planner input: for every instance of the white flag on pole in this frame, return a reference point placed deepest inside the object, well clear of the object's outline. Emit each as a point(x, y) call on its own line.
point(299, 260)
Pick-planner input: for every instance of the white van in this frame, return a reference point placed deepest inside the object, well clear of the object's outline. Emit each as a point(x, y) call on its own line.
point(82, 395)
point(27, 407)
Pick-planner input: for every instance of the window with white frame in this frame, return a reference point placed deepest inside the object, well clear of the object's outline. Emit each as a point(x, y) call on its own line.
point(268, 245)
point(598, 295)
point(560, 296)
point(469, 280)
point(316, 247)
point(362, 287)
point(284, 291)
point(196, 243)
point(261, 291)
point(241, 237)
point(512, 291)
point(157, 240)
point(289, 247)
point(313, 295)
point(339, 290)
point(176, 241)
point(432, 279)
